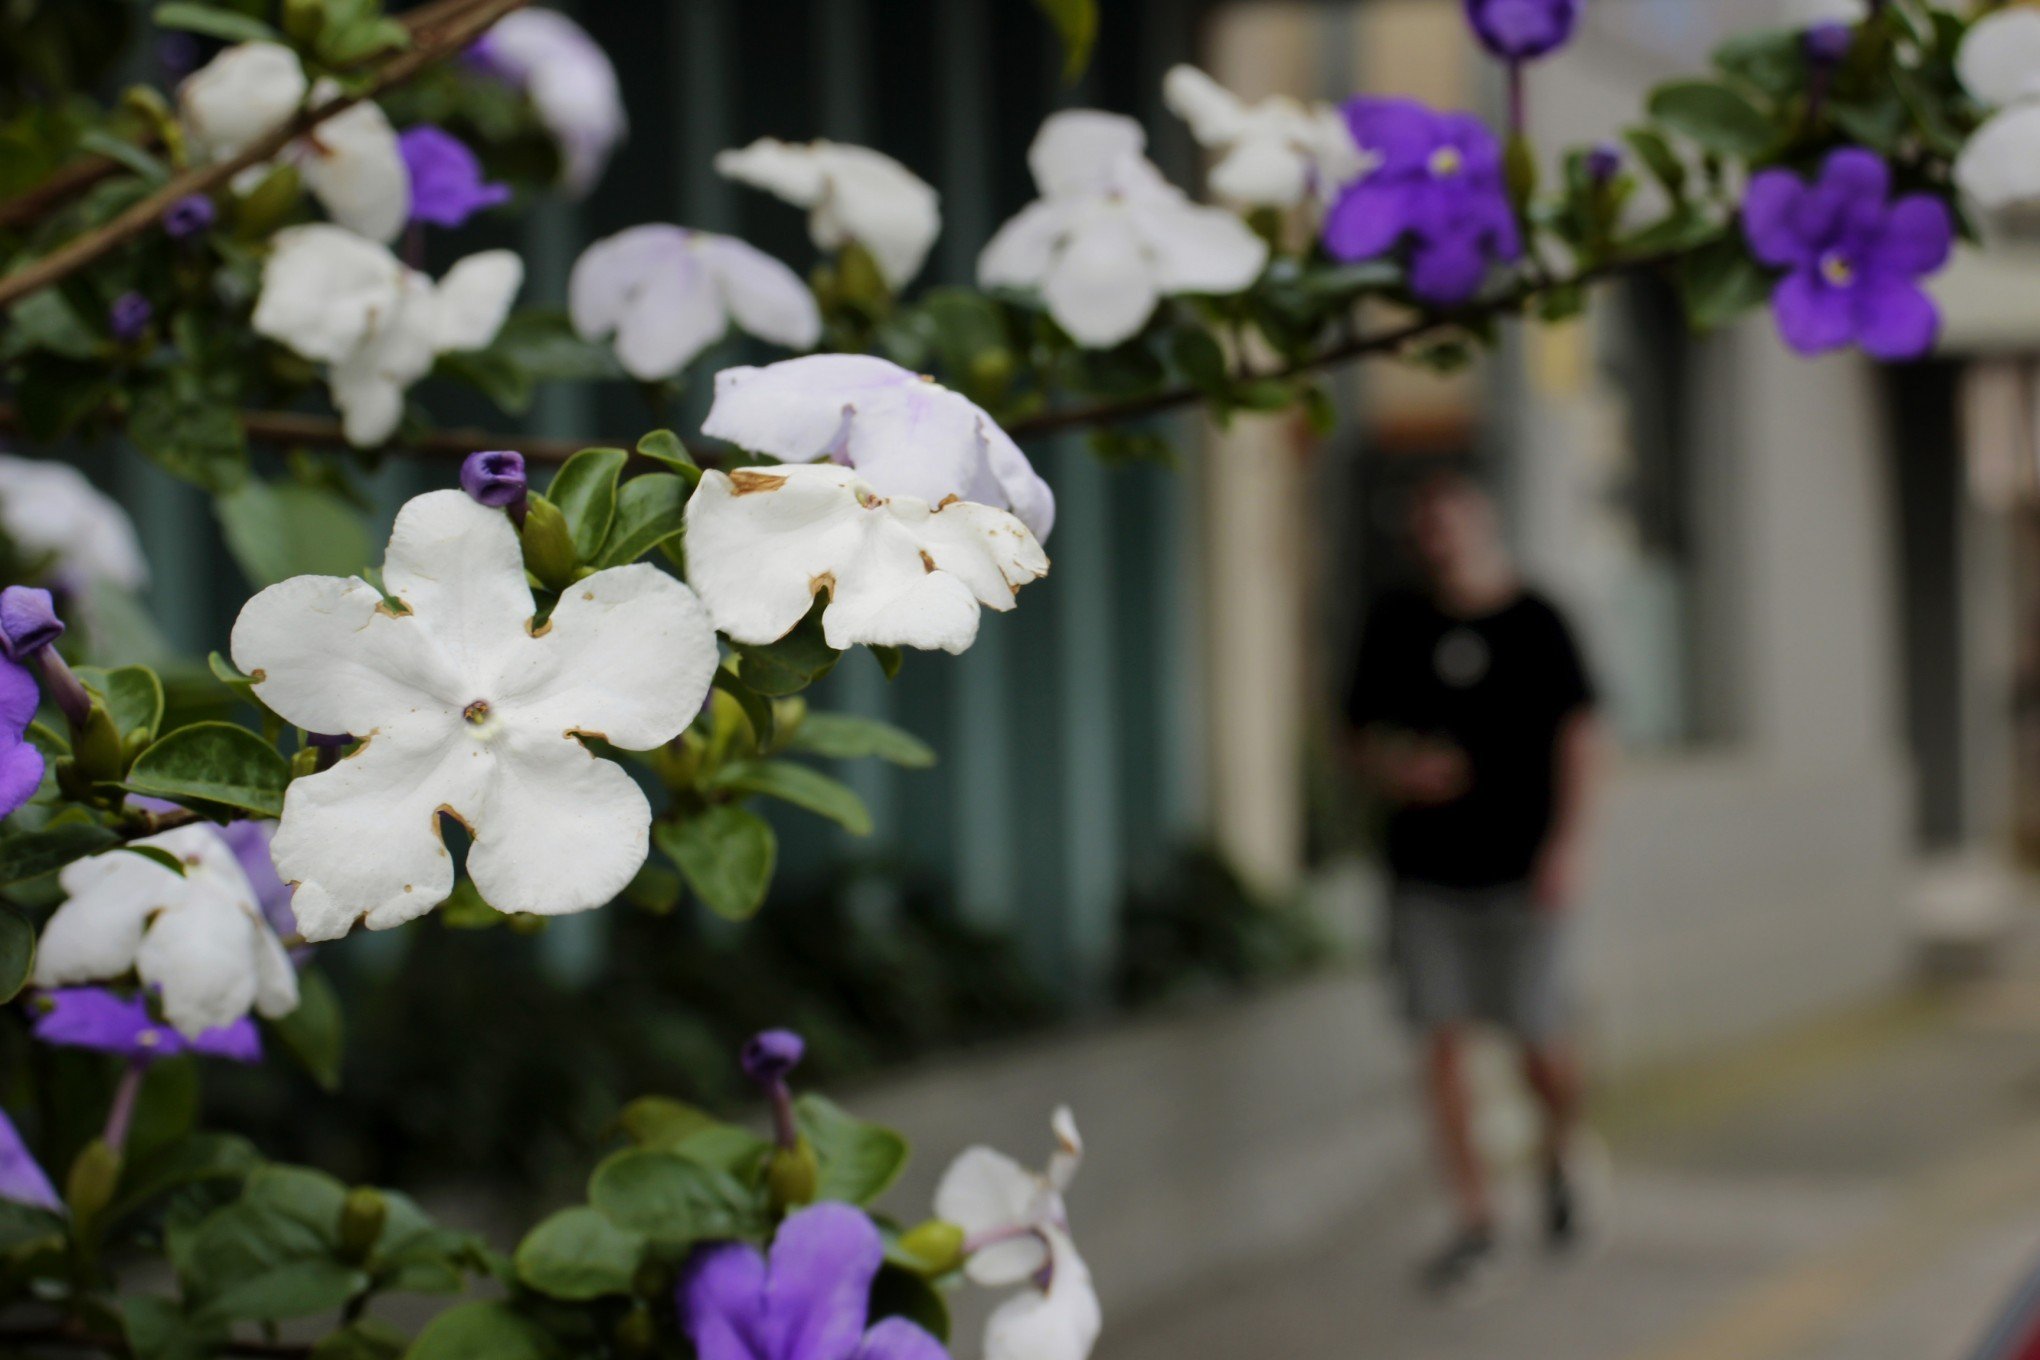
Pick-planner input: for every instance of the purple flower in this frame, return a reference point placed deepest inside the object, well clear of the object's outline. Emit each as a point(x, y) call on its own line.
point(21, 763)
point(771, 1055)
point(106, 1022)
point(446, 179)
point(1852, 257)
point(129, 316)
point(21, 1179)
point(1826, 44)
point(28, 621)
point(495, 478)
point(809, 1302)
point(189, 216)
point(1604, 162)
point(1436, 185)
point(1523, 30)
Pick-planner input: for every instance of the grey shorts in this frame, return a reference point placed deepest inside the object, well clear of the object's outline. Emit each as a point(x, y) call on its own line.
point(1486, 954)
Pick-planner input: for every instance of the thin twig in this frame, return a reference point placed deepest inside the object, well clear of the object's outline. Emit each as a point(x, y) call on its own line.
point(458, 31)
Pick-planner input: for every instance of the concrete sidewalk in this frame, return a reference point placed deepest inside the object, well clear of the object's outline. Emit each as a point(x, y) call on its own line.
point(1865, 1190)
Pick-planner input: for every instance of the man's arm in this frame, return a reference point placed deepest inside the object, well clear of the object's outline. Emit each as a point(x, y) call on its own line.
point(1579, 767)
point(1409, 769)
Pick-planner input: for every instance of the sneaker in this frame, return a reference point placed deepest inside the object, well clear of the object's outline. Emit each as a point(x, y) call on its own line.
point(1578, 1198)
point(1463, 1266)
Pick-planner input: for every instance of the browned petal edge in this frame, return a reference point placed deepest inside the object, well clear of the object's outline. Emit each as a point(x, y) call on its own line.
point(257, 676)
point(817, 584)
point(927, 562)
point(745, 481)
point(542, 628)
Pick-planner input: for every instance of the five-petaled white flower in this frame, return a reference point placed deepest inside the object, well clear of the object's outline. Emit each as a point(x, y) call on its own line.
point(667, 293)
point(49, 510)
point(198, 939)
point(377, 323)
point(763, 542)
point(1273, 154)
point(852, 193)
point(1109, 237)
point(905, 434)
point(467, 707)
point(1017, 1232)
point(1999, 64)
point(350, 161)
point(570, 82)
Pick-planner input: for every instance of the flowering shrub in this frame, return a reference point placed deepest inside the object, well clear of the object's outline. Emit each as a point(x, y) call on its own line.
point(560, 689)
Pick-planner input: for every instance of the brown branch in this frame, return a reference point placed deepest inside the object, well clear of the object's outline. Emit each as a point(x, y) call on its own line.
point(459, 28)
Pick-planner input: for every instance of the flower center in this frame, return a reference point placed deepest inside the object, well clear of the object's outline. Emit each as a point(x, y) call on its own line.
point(1446, 162)
point(477, 712)
point(1837, 269)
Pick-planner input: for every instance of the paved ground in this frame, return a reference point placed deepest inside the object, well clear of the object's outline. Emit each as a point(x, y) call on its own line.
point(1865, 1190)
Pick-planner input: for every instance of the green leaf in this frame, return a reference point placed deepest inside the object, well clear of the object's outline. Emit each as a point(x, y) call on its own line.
point(1076, 23)
point(1771, 59)
point(660, 1121)
point(545, 346)
point(213, 763)
point(846, 736)
point(297, 1289)
point(363, 1339)
point(579, 1254)
point(1720, 283)
point(190, 435)
point(801, 786)
point(791, 664)
point(585, 491)
point(899, 1292)
point(47, 320)
point(889, 659)
point(31, 854)
point(17, 952)
point(225, 24)
point(316, 1032)
point(159, 855)
point(726, 855)
point(1714, 115)
point(859, 1161)
point(648, 512)
point(189, 1160)
point(671, 1199)
point(279, 530)
point(757, 709)
point(133, 696)
point(483, 1331)
point(664, 447)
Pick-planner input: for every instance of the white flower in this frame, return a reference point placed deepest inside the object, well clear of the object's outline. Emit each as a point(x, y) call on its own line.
point(667, 293)
point(1999, 64)
point(852, 193)
point(905, 434)
point(332, 296)
point(466, 708)
point(570, 82)
point(199, 939)
point(1017, 1232)
point(350, 162)
point(763, 542)
point(1275, 153)
point(1109, 237)
point(48, 509)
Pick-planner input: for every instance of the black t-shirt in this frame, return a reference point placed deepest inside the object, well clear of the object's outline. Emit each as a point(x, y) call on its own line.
point(1499, 687)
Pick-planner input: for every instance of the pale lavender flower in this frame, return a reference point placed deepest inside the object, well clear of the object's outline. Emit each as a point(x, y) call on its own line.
point(21, 1178)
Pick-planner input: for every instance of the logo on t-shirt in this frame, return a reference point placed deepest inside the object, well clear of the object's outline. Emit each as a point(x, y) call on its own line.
point(1461, 658)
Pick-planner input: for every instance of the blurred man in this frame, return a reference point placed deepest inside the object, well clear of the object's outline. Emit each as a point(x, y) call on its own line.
point(1475, 719)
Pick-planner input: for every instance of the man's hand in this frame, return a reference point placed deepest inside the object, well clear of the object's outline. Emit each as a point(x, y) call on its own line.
point(1426, 774)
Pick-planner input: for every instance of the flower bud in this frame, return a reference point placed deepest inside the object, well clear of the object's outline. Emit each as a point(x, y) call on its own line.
point(89, 1186)
point(362, 1216)
point(495, 479)
point(1604, 162)
point(772, 1054)
point(28, 621)
point(1828, 43)
point(129, 316)
point(548, 544)
point(189, 216)
point(935, 1247)
point(790, 1175)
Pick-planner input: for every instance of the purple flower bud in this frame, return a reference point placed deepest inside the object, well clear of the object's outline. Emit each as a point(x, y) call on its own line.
point(1827, 44)
point(1523, 30)
point(129, 316)
point(447, 186)
point(495, 478)
point(28, 621)
point(771, 1055)
point(1604, 162)
point(189, 216)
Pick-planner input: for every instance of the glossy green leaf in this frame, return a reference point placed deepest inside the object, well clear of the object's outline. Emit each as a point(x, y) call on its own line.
point(1076, 23)
point(671, 1199)
point(133, 696)
point(316, 1032)
point(664, 447)
point(847, 736)
point(277, 530)
point(800, 785)
point(29, 854)
point(212, 21)
point(585, 491)
point(17, 952)
point(648, 512)
point(859, 1161)
point(1716, 116)
point(213, 762)
point(726, 855)
point(483, 1331)
point(579, 1254)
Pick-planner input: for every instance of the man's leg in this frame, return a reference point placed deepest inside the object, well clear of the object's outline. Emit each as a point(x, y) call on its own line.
point(1553, 1072)
point(1452, 1126)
